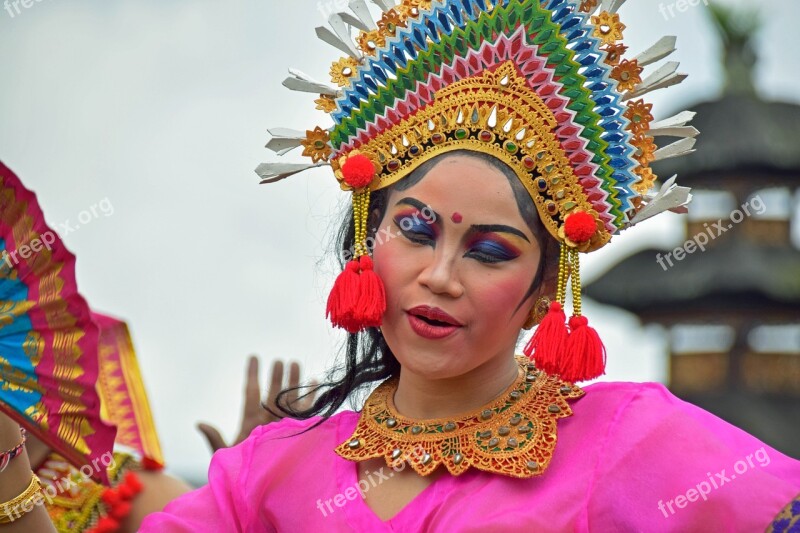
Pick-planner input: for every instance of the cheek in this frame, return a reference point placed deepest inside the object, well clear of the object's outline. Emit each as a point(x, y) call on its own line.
point(502, 296)
point(392, 266)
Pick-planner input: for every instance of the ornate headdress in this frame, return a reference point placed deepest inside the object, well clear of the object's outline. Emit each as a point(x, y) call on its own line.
point(541, 85)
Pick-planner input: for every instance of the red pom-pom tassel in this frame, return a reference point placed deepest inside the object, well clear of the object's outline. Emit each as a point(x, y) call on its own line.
point(150, 464)
point(105, 525)
point(586, 354)
point(358, 297)
point(120, 511)
point(546, 347)
point(133, 483)
point(358, 171)
point(580, 227)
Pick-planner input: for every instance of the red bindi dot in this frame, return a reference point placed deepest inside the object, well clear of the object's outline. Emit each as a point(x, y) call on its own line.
point(457, 218)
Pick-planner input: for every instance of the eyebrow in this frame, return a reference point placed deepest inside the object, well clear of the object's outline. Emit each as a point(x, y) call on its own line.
point(419, 205)
point(482, 228)
point(498, 228)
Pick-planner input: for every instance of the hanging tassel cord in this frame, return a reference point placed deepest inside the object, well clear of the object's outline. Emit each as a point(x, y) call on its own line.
point(358, 298)
point(584, 355)
point(546, 346)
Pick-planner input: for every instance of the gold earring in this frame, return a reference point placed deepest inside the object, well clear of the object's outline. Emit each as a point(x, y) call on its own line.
point(538, 312)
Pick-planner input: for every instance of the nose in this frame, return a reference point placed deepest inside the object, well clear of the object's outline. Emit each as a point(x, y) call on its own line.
point(440, 275)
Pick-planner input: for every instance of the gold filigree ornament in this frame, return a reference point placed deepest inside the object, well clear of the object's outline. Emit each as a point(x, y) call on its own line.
point(316, 144)
point(369, 41)
point(614, 53)
point(390, 21)
point(648, 179)
point(640, 116)
point(515, 435)
point(517, 127)
point(342, 71)
point(325, 104)
point(628, 74)
point(608, 27)
point(645, 149)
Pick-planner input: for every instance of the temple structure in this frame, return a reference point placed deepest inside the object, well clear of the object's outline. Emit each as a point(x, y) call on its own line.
point(730, 299)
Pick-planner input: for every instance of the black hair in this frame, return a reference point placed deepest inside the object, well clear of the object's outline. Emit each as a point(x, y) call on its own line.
point(367, 357)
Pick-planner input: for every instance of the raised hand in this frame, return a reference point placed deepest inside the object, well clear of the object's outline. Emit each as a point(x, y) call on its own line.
point(254, 414)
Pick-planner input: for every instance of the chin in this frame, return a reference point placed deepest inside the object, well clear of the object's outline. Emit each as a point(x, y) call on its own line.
point(432, 362)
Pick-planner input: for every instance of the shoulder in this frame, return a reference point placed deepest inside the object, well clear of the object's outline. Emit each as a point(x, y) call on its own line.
point(290, 446)
point(299, 431)
point(666, 458)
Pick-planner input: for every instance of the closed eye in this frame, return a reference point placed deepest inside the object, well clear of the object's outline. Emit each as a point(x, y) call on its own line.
point(415, 230)
point(491, 251)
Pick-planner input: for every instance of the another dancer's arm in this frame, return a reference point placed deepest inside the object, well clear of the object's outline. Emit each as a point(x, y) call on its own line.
point(29, 516)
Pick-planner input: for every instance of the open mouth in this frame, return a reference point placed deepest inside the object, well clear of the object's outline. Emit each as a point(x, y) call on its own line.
point(432, 322)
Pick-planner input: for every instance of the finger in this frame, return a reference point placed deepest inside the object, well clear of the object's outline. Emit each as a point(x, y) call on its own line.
point(308, 400)
point(252, 391)
point(275, 383)
point(294, 374)
point(213, 437)
point(294, 379)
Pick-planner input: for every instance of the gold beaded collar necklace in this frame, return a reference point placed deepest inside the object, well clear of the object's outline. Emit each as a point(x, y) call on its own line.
point(514, 435)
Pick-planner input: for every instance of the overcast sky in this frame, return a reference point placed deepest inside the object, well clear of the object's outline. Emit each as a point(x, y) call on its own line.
point(162, 108)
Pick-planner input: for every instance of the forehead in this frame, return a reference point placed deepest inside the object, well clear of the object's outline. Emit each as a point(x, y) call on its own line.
point(466, 184)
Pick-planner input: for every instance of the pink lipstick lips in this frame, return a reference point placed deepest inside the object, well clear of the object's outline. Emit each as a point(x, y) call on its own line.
point(432, 322)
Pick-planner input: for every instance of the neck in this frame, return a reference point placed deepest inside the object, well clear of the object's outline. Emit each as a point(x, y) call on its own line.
point(422, 398)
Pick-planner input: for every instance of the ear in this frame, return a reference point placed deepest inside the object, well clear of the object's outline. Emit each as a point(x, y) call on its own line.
point(374, 221)
point(550, 254)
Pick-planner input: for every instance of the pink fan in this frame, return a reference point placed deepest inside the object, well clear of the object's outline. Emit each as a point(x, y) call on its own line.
point(48, 341)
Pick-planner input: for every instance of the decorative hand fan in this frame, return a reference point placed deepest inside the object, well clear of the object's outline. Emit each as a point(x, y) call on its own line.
point(124, 400)
point(48, 342)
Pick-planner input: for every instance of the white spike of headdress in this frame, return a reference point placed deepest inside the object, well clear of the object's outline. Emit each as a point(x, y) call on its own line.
point(272, 172)
point(326, 35)
point(663, 48)
point(664, 77)
point(353, 21)
point(676, 149)
point(612, 6)
point(284, 140)
point(342, 31)
point(359, 7)
point(385, 5)
point(675, 126)
point(671, 197)
point(299, 81)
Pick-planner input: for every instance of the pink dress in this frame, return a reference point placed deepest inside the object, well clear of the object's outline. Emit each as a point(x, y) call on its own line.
point(633, 457)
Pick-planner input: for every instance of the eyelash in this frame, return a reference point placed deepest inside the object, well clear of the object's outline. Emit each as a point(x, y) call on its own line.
point(425, 238)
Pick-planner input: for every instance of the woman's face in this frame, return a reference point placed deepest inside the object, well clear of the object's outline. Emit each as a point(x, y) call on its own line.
point(459, 246)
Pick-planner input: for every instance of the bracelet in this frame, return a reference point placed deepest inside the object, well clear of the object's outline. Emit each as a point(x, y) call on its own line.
point(14, 509)
point(6, 457)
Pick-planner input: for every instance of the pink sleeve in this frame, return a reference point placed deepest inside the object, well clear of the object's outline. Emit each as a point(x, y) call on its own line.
point(670, 466)
point(221, 505)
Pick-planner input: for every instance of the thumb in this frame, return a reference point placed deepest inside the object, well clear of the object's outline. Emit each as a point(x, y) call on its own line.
point(213, 437)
